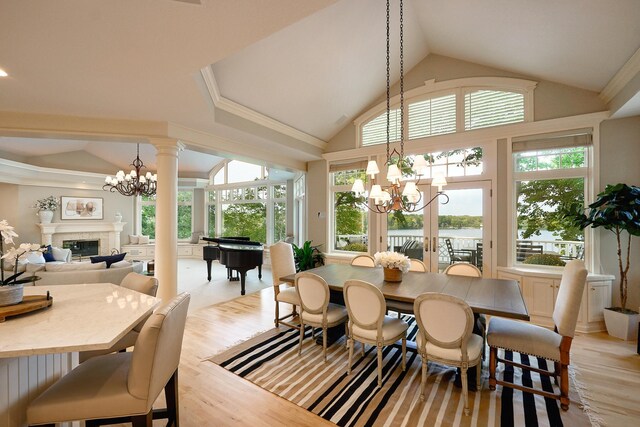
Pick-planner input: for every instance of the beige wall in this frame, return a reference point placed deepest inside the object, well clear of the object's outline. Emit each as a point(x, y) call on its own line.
point(620, 162)
point(316, 192)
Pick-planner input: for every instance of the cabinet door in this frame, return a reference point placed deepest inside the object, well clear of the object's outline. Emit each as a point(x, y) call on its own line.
point(185, 251)
point(598, 298)
point(541, 295)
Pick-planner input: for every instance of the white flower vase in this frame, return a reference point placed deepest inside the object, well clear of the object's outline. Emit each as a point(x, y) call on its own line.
point(11, 295)
point(45, 216)
point(118, 217)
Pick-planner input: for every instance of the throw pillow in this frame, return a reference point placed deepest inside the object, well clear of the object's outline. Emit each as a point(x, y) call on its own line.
point(143, 240)
point(48, 254)
point(36, 258)
point(60, 254)
point(119, 264)
point(109, 259)
point(133, 239)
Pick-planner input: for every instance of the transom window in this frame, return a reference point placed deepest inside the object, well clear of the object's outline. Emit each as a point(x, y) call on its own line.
point(487, 108)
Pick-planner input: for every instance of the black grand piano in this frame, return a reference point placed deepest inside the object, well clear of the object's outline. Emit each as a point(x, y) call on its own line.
point(238, 254)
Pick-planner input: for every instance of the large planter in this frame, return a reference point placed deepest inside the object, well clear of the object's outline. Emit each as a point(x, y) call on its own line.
point(11, 295)
point(45, 216)
point(392, 274)
point(621, 325)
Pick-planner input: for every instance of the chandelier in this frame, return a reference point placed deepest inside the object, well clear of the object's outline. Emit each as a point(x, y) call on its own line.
point(134, 183)
point(394, 197)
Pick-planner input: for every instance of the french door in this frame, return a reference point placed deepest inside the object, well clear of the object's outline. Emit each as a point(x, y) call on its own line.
point(441, 234)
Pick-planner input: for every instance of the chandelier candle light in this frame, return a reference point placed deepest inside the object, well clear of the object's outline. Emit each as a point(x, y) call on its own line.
point(134, 183)
point(394, 197)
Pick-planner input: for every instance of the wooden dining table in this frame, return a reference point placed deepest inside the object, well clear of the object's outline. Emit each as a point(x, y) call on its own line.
point(495, 297)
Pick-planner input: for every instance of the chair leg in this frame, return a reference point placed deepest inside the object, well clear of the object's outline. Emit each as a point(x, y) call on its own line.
point(556, 371)
point(324, 343)
point(171, 396)
point(277, 319)
point(564, 387)
point(404, 352)
point(350, 345)
point(313, 333)
point(363, 348)
point(479, 375)
point(379, 365)
point(423, 383)
point(142, 420)
point(465, 390)
point(301, 337)
point(493, 361)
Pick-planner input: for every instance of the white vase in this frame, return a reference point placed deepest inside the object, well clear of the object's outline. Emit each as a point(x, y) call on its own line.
point(10, 295)
point(118, 217)
point(45, 216)
point(621, 325)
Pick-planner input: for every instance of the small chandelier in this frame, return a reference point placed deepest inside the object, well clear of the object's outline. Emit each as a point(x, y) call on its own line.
point(134, 183)
point(394, 197)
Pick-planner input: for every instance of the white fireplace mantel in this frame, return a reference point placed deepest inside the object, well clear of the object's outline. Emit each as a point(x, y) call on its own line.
point(107, 232)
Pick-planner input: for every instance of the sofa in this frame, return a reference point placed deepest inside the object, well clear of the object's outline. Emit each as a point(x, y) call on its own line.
point(66, 274)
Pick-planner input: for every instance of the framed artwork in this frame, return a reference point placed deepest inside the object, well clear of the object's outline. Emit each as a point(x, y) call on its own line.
point(81, 208)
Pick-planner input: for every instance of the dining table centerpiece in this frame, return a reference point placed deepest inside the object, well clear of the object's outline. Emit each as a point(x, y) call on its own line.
point(393, 265)
point(11, 287)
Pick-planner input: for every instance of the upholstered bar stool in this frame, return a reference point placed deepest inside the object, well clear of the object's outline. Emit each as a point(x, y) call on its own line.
point(122, 387)
point(283, 264)
point(136, 282)
point(541, 342)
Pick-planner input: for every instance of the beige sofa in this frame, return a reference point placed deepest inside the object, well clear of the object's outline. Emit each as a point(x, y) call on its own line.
point(102, 274)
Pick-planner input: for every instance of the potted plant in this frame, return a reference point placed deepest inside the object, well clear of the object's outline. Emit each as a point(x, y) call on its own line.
point(306, 256)
point(616, 209)
point(46, 207)
point(11, 290)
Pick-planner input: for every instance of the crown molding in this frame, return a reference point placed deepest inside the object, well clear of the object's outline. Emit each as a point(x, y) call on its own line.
point(246, 113)
point(624, 75)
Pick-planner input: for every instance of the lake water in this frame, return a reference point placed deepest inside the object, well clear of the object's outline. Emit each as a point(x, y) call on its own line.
point(467, 232)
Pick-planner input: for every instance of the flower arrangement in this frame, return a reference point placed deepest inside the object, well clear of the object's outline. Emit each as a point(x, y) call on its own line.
point(51, 203)
point(392, 260)
point(7, 234)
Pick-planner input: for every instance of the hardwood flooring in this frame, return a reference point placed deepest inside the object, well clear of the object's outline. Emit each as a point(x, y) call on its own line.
point(608, 369)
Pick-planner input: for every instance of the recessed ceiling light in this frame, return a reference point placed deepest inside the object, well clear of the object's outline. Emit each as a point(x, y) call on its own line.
point(3, 73)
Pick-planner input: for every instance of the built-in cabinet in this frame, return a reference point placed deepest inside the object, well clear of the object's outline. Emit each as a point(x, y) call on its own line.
point(147, 252)
point(540, 290)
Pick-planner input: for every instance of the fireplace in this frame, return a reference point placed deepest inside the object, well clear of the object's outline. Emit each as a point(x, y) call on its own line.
point(82, 247)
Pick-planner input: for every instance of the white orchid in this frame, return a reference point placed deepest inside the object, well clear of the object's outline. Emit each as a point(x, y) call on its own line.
point(22, 251)
point(6, 231)
point(392, 260)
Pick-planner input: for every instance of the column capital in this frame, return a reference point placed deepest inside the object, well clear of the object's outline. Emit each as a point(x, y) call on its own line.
point(167, 145)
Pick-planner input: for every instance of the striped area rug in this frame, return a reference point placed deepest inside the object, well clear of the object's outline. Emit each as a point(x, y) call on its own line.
point(271, 361)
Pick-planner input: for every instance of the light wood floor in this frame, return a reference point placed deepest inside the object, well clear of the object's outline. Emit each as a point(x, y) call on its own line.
point(609, 370)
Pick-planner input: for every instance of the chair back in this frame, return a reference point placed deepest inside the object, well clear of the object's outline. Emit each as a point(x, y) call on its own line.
point(156, 354)
point(565, 314)
point(140, 283)
point(282, 262)
point(313, 292)
point(365, 304)
point(463, 269)
point(363, 261)
point(449, 248)
point(417, 265)
point(444, 320)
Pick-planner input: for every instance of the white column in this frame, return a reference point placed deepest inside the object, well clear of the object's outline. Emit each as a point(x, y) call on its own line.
point(166, 248)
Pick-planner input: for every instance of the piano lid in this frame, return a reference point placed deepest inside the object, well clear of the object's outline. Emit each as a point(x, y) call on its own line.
point(242, 246)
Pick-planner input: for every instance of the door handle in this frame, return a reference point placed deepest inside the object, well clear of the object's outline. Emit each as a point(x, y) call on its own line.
point(434, 245)
point(426, 244)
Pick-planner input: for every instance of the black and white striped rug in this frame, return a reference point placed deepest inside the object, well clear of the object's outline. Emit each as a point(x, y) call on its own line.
point(271, 361)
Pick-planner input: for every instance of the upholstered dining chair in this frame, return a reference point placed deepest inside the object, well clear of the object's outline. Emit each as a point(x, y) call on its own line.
point(122, 387)
point(445, 325)
point(283, 264)
point(136, 282)
point(363, 261)
point(407, 307)
point(315, 308)
point(368, 323)
point(541, 342)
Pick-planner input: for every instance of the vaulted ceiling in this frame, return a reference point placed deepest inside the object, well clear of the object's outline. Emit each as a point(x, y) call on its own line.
point(297, 72)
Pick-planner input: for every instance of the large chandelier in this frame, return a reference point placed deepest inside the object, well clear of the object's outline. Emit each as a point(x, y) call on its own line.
point(133, 183)
point(394, 197)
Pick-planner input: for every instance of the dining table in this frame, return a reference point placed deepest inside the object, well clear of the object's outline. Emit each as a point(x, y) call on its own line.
point(495, 297)
point(38, 348)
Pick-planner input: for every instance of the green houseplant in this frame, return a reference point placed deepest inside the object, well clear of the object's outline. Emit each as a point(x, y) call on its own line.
point(616, 209)
point(306, 256)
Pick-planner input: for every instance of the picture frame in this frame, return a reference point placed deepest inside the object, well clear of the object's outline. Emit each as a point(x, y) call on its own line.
point(81, 208)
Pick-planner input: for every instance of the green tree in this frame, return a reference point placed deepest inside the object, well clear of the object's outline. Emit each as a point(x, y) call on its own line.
point(246, 219)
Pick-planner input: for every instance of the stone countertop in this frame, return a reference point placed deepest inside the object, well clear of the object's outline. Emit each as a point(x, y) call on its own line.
point(82, 317)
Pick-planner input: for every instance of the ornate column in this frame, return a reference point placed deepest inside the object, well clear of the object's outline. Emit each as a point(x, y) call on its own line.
point(166, 250)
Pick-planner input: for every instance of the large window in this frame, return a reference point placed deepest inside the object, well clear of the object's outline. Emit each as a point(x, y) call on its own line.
point(349, 219)
point(549, 174)
point(185, 208)
point(148, 208)
point(486, 108)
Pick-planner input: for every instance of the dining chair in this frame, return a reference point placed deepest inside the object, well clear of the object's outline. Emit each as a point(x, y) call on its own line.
point(368, 323)
point(533, 340)
point(457, 255)
point(363, 261)
point(137, 282)
point(401, 307)
point(122, 387)
point(283, 264)
point(315, 308)
point(445, 326)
